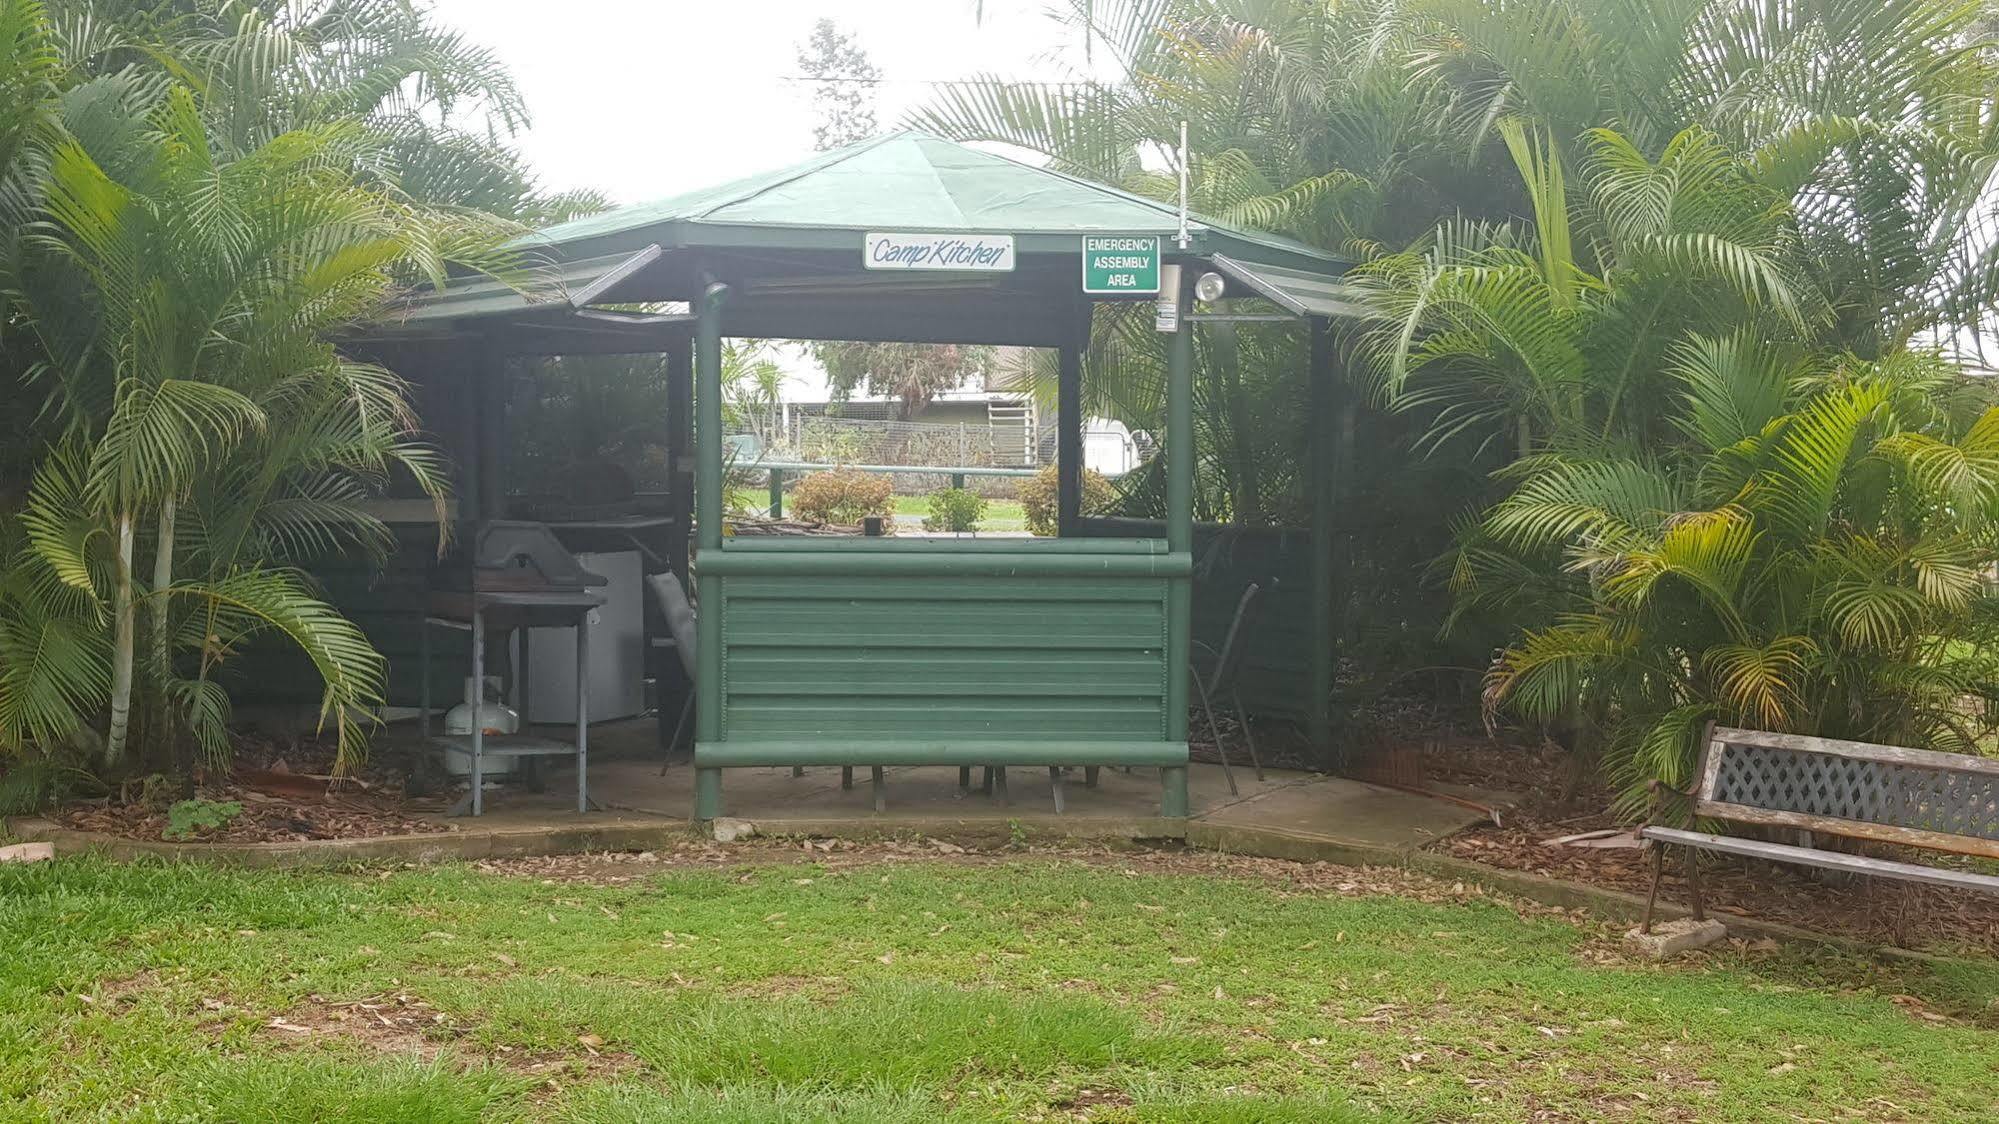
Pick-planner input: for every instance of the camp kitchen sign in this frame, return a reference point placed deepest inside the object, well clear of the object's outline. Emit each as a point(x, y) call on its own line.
point(977, 253)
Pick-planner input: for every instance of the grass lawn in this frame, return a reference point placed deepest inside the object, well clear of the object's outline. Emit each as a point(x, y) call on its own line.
point(1001, 515)
point(876, 986)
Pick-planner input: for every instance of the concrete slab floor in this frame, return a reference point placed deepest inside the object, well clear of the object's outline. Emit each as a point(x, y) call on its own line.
point(626, 781)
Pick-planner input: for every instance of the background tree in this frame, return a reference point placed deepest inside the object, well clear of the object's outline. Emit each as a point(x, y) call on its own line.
point(910, 373)
point(842, 82)
point(843, 85)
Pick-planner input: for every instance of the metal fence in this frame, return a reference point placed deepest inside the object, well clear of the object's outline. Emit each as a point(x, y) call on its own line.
point(993, 444)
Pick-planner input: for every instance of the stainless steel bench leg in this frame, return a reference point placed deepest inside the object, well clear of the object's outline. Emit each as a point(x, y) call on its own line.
point(1652, 895)
point(1055, 783)
point(1694, 883)
point(881, 789)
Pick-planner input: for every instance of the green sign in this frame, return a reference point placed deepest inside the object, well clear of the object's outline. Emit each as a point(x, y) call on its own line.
point(1120, 263)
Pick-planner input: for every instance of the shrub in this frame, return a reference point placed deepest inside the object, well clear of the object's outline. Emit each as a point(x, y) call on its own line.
point(1038, 498)
point(954, 509)
point(189, 818)
point(844, 496)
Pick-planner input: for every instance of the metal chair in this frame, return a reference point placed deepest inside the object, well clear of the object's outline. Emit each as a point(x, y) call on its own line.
point(1227, 662)
point(679, 614)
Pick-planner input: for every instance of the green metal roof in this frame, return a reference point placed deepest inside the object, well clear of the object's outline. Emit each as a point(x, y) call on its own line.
point(789, 244)
point(908, 181)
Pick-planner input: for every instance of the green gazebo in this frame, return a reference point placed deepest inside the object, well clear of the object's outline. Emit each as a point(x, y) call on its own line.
point(883, 651)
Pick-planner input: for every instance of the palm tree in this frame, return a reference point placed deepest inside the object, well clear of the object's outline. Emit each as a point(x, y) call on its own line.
point(182, 301)
point(1814, 562)
point(1548, 335)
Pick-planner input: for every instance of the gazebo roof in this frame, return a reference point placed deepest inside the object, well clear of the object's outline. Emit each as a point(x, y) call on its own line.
point(789, 243)
point(912, 181)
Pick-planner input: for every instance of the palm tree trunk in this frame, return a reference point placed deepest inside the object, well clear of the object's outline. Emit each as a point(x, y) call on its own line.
point(162, 648)
point(122, 640)
point(163, 576)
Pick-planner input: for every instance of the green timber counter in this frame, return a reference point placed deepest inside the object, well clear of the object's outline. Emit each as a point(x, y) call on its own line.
point(881, 651)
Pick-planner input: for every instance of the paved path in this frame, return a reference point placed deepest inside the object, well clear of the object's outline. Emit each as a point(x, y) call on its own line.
point(1123, 806)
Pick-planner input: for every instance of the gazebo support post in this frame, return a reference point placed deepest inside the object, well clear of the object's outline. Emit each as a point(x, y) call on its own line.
point(1318, 714)
point(1069, 426)
point(679, 450)
point(1180, 459)
point(490, 387)
point(708, 538)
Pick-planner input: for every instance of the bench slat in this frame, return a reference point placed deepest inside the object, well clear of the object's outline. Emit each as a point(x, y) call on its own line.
point(1852, 829)
point(1833, 860)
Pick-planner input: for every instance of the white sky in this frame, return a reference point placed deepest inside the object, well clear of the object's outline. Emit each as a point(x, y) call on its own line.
point(643, 99)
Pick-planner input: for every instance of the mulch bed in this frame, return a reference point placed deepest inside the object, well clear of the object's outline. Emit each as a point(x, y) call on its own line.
point(287, 792)
point(1873, 910)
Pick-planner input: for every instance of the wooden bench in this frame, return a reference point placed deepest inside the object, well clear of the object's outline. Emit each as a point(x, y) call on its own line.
point(1917, 798)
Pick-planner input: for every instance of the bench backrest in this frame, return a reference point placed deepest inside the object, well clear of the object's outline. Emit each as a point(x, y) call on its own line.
point(1942, 801)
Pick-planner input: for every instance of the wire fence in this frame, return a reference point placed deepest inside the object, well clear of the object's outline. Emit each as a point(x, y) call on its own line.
point(996, 443)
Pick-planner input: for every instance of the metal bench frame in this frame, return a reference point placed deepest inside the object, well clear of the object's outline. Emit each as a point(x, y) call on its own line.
point(1945, 802)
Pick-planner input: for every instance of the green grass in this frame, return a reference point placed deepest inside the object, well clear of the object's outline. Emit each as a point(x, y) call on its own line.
point(913, 991)
point(1001, 515)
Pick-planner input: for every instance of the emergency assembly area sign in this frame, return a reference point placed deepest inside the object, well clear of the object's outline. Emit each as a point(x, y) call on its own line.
point(978, 253)
point(1120, 263)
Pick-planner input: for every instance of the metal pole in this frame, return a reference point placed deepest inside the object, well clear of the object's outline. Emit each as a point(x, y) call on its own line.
point(1069, 436)
point(1184, 238)
point(582, 710)
point(1180, 456)
point(478, 702)
point(708, 525)
point(679, 450)
point(777, 493)
point(1319, 723)
point(423, 654)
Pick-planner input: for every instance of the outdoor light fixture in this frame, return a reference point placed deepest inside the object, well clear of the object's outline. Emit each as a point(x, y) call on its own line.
point(1209, 288)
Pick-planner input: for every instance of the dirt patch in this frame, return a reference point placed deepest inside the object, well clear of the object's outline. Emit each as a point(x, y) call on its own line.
point(1283, 876)
point(1085, 1103)
point(405, 1025)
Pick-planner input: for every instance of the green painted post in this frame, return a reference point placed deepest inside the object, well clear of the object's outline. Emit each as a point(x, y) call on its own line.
point(1180, 458)
point(777, 493)
point(958, 480)
point(1069, 437)
point(708, 528)
point(1319, 719)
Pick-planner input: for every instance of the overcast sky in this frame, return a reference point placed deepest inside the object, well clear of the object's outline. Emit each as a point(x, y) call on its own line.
point(643, 99)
